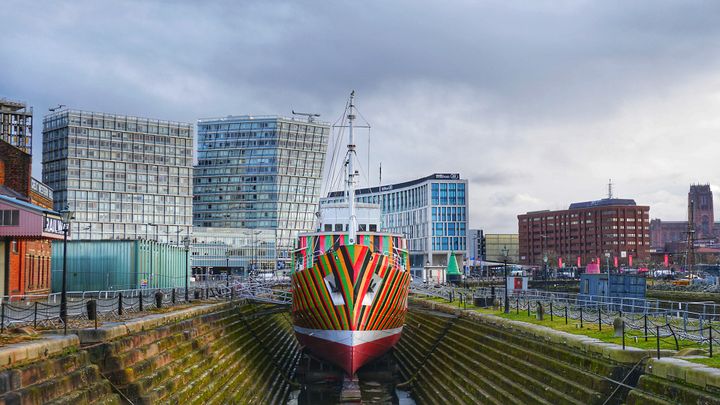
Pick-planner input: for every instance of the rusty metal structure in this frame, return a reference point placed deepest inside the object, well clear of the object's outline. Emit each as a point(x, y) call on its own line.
point(16, 124)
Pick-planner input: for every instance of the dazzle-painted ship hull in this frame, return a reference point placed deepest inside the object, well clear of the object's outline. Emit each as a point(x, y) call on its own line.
point(350, 300)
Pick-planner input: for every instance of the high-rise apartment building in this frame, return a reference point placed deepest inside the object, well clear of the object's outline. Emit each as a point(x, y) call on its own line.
point(125, 177)
point(431, 212)
point(16, 124)
point(259, 172)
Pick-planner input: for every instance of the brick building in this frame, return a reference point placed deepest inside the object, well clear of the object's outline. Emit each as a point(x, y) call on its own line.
point(585, 233)
point(27, 225)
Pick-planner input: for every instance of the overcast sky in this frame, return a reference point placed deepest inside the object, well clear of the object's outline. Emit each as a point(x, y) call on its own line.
point(536, 103)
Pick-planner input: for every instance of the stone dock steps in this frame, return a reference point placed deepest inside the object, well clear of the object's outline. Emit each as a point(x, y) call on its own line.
point(655, 390)
point(480, 363)
point(68, 379)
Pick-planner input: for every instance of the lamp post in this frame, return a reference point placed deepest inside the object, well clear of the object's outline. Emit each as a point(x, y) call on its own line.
point(505, 260)
point(67, 216)
point(427, 268)
point(227, 267)
point(152, 255)
point(187, 276)
point(252, 235)
point(607, 261)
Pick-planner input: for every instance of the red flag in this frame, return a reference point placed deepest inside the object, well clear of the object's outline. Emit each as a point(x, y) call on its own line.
point(579, 261)
point(667, 260)
point(616, 261)
point(630, 260)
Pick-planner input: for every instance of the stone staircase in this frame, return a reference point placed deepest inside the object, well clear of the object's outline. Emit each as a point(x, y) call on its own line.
point(652, 390)
point(479, 363)
point(66, 379)
point(236, 355)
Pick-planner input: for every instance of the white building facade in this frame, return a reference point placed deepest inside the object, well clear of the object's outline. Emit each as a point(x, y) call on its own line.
point(431, 212)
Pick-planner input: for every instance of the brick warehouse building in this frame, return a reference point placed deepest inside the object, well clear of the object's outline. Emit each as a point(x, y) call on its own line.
point(27, 224)
point(585, 232)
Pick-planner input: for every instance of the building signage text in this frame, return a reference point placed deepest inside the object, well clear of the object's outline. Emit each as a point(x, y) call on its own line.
point(53, 225)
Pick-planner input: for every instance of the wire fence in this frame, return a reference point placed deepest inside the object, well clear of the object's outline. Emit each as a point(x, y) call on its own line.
point(676, 324)
point(86, 307)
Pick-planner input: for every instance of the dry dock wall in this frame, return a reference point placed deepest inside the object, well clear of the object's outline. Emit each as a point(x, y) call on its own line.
point(208, 354)
point(466, 357)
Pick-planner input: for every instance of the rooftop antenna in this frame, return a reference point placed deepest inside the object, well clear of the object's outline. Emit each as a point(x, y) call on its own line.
point(310, 116)
point(59, 106)
point(380, 174)
point(610, 189)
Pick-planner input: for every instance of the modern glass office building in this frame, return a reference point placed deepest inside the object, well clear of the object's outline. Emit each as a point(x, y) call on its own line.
point(431, 212)
point(125, 177)
point(233, 250)
point(259, 172)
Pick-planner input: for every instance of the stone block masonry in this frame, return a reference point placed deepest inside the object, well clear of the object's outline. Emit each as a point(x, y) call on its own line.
point(489, 359)
point(207, 354)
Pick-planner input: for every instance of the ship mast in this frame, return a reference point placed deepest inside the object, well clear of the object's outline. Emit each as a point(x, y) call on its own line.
point(351, 173)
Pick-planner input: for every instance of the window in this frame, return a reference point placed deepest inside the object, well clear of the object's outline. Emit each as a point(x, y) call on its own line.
point(9, 217)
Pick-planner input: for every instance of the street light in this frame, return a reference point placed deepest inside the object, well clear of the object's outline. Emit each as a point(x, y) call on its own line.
point(505, 260)
point(252, 235)
point(427, 268)
point(227, 266)
point(152, 253)
point(187, 251)
point(67, 216)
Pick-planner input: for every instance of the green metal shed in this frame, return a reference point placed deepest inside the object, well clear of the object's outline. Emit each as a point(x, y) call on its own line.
point(94, 265)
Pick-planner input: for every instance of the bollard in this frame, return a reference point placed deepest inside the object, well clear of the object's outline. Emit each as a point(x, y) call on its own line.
point(617, 327)
point(599, 319)
point(551, 311)
point(173, 296)
point(2, 317)
point(581, 318)
point(517, 306)
point(646, 331)
point(657, 336)
point(120, 304)
point(35, 316)
point(159, 299)
point(141, 301)
point(623, 333)
point(91, 309)
point(566, 314)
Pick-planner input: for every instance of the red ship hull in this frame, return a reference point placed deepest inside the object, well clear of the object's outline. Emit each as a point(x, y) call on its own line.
point(348, 349)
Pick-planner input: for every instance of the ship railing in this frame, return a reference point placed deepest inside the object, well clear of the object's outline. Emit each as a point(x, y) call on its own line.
point(395, 259)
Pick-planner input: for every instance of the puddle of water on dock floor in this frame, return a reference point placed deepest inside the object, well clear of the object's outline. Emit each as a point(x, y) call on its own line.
point(322, 383)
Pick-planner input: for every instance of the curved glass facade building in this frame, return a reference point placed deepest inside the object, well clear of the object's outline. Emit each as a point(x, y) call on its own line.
point(432, 213)
point(259, 172)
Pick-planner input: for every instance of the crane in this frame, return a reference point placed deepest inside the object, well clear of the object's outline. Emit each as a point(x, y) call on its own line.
point(310, 116)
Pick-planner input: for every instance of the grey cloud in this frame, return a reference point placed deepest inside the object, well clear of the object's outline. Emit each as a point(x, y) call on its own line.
point(539, 100)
